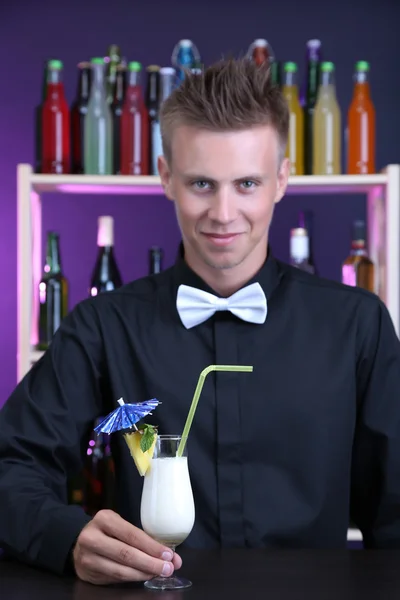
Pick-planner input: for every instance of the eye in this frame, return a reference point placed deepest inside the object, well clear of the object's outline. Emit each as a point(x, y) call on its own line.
point(247, 184)
point(200, 185)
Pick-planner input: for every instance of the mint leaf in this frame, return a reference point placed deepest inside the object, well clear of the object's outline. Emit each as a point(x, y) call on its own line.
point(147, 438)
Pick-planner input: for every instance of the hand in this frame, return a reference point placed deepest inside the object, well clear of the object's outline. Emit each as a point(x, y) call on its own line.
point(111, 550)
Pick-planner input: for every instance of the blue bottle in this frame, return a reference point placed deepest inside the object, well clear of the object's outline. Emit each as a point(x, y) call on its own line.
point(185, 56)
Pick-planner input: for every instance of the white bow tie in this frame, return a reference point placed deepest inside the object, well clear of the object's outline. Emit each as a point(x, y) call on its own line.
point(196, 306)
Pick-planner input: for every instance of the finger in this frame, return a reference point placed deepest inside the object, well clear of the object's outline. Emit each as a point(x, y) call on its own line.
point(98, 569)
point(177, 561)
point(115, 526)
point(123, 554)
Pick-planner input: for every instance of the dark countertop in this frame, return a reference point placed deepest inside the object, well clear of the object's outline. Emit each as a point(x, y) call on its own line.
point(234, 574)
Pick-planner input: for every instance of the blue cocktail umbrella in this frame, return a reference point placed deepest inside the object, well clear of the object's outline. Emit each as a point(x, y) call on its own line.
point(126, 415)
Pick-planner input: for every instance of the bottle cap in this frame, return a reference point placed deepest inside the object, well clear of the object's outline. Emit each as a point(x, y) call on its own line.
point(153, 69)
point(135, 66)
point(185, 43)
point(260, 43)
point(363, 66)
point(327, 67)
point(97, 61)
point(314, 44)
point(290, 67)
point(56, 65)
point(105, 231)
point(167, 71)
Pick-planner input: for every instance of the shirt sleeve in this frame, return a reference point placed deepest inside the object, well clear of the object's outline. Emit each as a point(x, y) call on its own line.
point(375, 489)
point(44, 431)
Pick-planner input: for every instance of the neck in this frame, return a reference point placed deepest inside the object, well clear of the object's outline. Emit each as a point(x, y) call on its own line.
point(227, 281)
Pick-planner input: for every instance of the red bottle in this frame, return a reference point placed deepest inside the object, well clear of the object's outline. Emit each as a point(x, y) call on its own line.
point(135, 131)
point(55, 123)
point(260, 51)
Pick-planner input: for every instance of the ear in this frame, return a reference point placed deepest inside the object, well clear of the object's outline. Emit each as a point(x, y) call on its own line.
point(283, 178)
point(165, 175)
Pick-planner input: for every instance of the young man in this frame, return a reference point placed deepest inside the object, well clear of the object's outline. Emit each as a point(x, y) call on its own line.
point(278, 458)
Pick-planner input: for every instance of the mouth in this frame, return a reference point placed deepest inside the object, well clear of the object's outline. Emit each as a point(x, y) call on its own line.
point(221, 239)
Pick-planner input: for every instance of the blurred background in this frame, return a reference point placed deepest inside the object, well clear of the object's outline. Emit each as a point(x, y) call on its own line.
point(32, 32)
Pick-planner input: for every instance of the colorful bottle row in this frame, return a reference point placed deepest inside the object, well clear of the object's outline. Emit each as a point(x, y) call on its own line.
point(315, 131)
point(98, 137)
point(357, 269)
point(112, 126)
point(106, 276)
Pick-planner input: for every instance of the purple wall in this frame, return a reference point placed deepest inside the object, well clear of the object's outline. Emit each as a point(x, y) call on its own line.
point(147, 31)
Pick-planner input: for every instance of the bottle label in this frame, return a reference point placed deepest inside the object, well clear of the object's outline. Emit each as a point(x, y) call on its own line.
point(299, 247)
point(156, 146)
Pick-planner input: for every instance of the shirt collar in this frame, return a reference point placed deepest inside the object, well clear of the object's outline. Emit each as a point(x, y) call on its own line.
point(268, 276)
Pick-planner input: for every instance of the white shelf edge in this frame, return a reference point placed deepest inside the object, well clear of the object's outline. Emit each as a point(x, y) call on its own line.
point(143, 184)
point(38, 179)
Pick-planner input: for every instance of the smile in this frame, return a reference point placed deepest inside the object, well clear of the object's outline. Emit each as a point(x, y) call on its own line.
point(221, 239)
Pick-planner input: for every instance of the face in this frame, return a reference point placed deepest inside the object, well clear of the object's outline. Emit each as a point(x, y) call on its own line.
point(224, 186)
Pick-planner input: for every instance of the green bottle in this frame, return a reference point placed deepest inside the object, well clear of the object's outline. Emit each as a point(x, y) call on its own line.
point(98, 125)
point(114, 60)
point(53, 293)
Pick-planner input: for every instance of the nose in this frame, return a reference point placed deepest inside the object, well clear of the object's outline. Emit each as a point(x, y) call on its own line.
point(223, 207)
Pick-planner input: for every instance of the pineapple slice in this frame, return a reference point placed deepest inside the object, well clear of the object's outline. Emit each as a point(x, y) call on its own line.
point(142, 459)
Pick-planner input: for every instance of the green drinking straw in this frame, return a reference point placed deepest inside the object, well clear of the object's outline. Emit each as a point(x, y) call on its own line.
point(196, 396)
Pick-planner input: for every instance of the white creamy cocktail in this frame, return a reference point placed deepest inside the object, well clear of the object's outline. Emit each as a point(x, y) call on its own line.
point(167, 510)
point(167, 507)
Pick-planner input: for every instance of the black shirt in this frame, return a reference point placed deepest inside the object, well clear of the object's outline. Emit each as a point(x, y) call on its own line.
point(278, 458)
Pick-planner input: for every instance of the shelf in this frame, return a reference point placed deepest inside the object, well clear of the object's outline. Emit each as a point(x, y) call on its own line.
point(121, 184)
point(96, 184)
point(381, 191)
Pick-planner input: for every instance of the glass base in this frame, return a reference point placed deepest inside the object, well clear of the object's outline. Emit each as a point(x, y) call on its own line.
point(167, 583)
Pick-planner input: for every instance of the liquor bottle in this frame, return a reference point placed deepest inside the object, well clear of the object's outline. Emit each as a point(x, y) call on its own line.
point(295, 144)
point(358, 268)
point(260, 52)
point(361, 125)
point(106, 275)
point(275, 73)
point(53, 293)
point(155, 260)
point(112, 61)
point(327, 125)
point(152, 103)
point(116, 110)
point(98, 156)
point(38, 123)
point(300, 250)
point(134, 127)
point(98, 488)
point(167, 85)
point(55, 123)
point(185, 56)
point(306, 221)
point(312, 83)
point(78, 113)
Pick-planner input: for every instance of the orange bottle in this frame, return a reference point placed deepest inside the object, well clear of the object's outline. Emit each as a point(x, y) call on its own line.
point(361, 125)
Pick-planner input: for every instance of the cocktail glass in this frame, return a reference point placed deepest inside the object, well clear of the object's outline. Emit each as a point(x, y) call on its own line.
point(167, 505)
